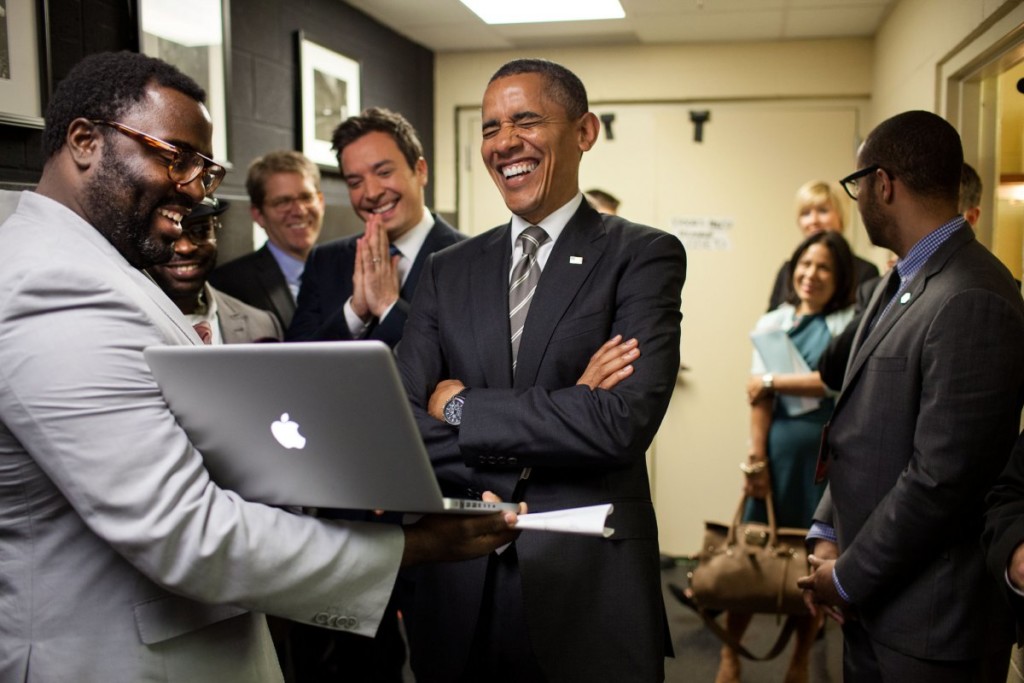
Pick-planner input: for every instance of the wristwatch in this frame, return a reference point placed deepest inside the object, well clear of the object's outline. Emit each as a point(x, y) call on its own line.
point(453, 408)
point(767, 380)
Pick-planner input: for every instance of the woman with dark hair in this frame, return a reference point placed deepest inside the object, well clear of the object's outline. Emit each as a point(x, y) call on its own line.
point(789, 405)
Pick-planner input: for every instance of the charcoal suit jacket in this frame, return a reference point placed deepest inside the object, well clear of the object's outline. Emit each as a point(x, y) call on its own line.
point(925, 422)
point(593, 607)
point(257, 280)
point(327, 285)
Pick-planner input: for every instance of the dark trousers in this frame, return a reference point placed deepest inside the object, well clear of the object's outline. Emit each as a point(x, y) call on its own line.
point(501, 650)
point(868, 661)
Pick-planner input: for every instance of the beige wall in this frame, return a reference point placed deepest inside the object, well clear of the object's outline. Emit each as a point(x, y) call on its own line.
point(916, 35)
point(897, 71)
point(817, 69)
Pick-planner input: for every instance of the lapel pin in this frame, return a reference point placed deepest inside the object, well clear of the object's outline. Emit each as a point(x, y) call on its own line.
point(905, 298)
point(576, 260)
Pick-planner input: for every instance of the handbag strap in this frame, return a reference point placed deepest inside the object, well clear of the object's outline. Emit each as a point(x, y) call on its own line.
point(785, 633)
point(773, 532)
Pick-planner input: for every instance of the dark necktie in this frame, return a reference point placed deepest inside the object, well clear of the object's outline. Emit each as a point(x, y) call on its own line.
point(522, 285)
point(887, 298)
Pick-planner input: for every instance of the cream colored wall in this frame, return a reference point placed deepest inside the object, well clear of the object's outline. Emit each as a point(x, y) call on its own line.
point(915, 36)
point(657, 73)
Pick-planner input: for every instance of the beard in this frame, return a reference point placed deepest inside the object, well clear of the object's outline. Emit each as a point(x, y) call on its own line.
point(119, 208)
point(878, 225)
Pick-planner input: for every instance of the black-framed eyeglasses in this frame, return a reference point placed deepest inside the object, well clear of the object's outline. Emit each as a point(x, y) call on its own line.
point(851, 183)
point(185, 164)
point(202, 231)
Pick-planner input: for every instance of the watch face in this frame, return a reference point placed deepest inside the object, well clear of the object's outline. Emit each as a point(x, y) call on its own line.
point(453, 411)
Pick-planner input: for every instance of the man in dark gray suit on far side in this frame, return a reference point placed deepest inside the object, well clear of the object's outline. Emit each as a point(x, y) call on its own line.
point(927, 417)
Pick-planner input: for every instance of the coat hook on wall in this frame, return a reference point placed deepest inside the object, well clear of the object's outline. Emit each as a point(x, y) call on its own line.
point(699, 118)
point(607, 120)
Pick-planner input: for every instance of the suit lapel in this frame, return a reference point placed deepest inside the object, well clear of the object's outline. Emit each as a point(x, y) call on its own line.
point(272, 280)
point(488, 302)
point(574, 256)
point(869, 340)
point(160, 309)
point(233, 325)
point(430, 245)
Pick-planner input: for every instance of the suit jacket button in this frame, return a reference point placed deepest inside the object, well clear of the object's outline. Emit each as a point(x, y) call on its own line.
point(513, 460)
point(321, 618)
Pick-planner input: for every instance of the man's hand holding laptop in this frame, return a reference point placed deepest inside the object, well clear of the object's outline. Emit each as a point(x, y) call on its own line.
point(450, 538)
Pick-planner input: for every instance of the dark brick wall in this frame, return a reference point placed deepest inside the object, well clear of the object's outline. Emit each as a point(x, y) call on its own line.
point(396, 73)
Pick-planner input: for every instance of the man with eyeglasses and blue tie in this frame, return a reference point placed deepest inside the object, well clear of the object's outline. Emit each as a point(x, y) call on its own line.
point(929, 411)
point(120, 560)
point(286, 201)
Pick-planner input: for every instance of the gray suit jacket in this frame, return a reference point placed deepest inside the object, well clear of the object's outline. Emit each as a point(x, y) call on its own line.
point(241, 323)
point(928, 414)
point(604, 276)
point(119, 559)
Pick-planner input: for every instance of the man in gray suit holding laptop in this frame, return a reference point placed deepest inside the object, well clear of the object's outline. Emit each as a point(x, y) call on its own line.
point(926, 420)
point(120, 560)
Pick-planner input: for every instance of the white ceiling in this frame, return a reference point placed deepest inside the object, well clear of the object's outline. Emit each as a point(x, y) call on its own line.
point(449, 26)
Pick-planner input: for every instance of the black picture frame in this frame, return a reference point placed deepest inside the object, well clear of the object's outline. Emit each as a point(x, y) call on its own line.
point(27, 80)
point(329, 90)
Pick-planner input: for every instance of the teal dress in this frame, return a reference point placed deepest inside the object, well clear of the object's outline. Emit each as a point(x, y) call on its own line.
point(793, 441)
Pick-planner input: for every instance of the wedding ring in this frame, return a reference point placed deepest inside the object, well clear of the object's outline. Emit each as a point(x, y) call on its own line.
point(376, 261)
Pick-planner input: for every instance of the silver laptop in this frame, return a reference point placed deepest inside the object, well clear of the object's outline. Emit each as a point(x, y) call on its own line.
point(323, 424)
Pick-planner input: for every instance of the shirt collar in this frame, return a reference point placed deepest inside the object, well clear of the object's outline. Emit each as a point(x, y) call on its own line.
point(290, 266)
point(553, 224)
point(411, 242)
point(908, 266)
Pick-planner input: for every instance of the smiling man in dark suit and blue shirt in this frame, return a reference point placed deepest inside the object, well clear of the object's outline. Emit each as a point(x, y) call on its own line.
point(286, 201)
point(508, 406)
point(345, 294)
point(928, 413)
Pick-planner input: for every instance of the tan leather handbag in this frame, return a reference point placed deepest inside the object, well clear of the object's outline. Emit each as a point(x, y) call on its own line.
point(750, 567)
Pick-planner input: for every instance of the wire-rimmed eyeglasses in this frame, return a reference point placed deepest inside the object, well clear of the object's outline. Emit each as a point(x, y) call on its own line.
point(185, 164)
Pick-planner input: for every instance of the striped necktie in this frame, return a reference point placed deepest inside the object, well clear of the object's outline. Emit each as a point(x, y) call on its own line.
point(523, 283)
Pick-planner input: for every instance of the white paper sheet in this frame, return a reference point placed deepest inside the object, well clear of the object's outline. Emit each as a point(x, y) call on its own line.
point(589, 520)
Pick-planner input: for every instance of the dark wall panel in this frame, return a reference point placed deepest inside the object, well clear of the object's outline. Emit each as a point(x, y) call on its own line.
point(396, 73)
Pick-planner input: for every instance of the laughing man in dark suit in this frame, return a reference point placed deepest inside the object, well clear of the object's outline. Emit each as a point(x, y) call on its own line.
point(552, 607)
point(926, 419)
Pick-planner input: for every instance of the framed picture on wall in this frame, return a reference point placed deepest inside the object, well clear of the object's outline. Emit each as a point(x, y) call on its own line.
point(24, 62)
point(329, 92)
point(193, 36)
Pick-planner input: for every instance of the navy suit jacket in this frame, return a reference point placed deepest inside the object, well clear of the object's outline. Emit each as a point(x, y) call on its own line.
point(593, 606)
point(327, 285)
point(257, 280)
point(927, 417)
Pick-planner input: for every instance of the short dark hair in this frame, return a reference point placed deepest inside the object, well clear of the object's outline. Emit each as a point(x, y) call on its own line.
point(380, 120)
point(970, 188)
point(281, 161)
point(565, 86)
point(606, 198)
point(921, 149)
point(842, 258)
point(104, 86)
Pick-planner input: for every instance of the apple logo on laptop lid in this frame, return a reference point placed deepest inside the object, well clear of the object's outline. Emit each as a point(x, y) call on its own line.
point(286, 432)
